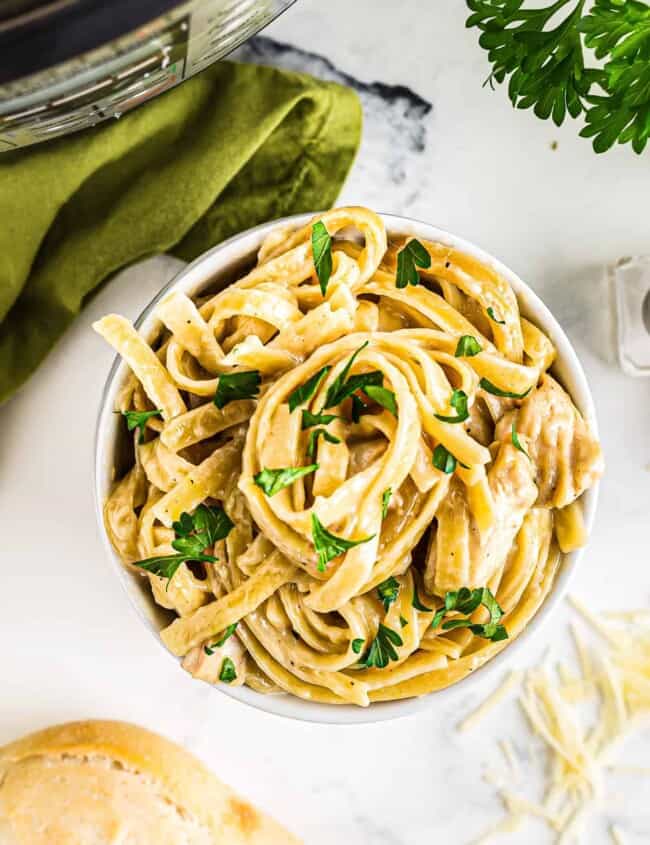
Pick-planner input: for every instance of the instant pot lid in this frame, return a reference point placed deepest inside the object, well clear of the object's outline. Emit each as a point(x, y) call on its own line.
point(66, 65)
point(36, 34)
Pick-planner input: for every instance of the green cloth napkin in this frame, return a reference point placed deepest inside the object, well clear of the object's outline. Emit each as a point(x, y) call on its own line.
point(231, 148)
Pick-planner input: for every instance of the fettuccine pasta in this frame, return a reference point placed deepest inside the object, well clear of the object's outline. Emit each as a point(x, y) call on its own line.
point(353, 475)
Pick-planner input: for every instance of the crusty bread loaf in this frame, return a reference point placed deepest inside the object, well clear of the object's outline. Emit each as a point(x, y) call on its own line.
point(111, 783)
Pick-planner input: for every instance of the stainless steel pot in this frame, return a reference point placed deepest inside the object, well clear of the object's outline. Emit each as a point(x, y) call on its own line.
point(66, 65)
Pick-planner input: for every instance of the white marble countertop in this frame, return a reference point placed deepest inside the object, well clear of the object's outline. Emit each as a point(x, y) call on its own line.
point(446, 151)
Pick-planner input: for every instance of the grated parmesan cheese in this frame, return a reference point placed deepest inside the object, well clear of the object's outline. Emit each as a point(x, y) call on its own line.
point(617, 679)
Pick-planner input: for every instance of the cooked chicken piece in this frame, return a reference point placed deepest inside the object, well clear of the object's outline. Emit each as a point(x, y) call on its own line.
point(207, 667)
point(459, 554)
point(565, 454)
point(365, 453)
point(480, 425)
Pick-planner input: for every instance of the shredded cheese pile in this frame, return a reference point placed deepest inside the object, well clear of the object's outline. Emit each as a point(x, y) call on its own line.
point(616, 678)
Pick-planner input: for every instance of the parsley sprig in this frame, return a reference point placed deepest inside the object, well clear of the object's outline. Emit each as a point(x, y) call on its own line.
point(467, 347)
point(321, 247)
point(231, 386)
point(194, 534)
point(544, 59)
point(388, 591)
point(274, 480)
point(466, 601)
point(230, 630)
point(138, 419)
point(314, 434)
point(228, 673)
point(328, 545)
point(304, 393)
point(382, 650)
point(487, 385)
point(409, 258)
point(458, 402)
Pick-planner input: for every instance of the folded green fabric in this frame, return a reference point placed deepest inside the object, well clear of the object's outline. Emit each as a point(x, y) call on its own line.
point(231, 148)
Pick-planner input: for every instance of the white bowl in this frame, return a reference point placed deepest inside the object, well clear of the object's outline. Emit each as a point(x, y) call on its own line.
point(223, 264)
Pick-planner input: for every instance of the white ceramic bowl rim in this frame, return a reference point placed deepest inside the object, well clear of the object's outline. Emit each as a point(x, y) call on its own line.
point(203, 273)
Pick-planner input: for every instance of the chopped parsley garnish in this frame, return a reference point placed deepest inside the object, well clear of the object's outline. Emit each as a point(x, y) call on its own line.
point(415, 601)
point(467, 347)
point(382, 650)
point(359, 407)
point(494, 318)
point(496, 391)
point(383, 396)
point(412, 256)
point(403, 622)
point(228, 673)
point(466, 601)
point(327, 545)
point(231, 386)
point(357, 645)
point(443, 460)
point(342, 386)
point(321, 247)
point(388, 591)
point(309, 419)
point(304, 393)
point(230, 630)
point(194, 534)
point(314, 434)
point(458, 402)
point(516, 442)
point(385, 501)
point(138, 419)
point(274, 480)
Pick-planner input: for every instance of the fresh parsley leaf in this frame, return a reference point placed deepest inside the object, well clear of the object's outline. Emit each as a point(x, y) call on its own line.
point(274, 480)
point(209, 524)
point(382, 650)
point(415, 601)
point(312, 445)
point(165, 566)
point(304, 393)
point(194, 534)
point(334, 390)
point(228, 673)
point(385, 501)
point(412, 255)
point(388, 591)
point(231, 386)
point(327, 545)
point(383, 396)
point(138, 419)
point(230, 630)
point(342, 386)
point(487, 385)
point(458, 402)
point(443, 460)
point(403, 622)
point(357, 645)
point(545, 60)
point(321, 247)
point(546, 66)
point(358, 408)
point(516, 442)
point(466, 601)
point(493, 317)
point(309, 419)
point(467, 346)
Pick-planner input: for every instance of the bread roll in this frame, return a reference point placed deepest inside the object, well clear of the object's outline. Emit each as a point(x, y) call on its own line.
point(111, 783)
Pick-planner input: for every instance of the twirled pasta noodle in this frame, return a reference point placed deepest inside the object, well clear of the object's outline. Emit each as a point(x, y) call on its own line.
point(500, 519)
